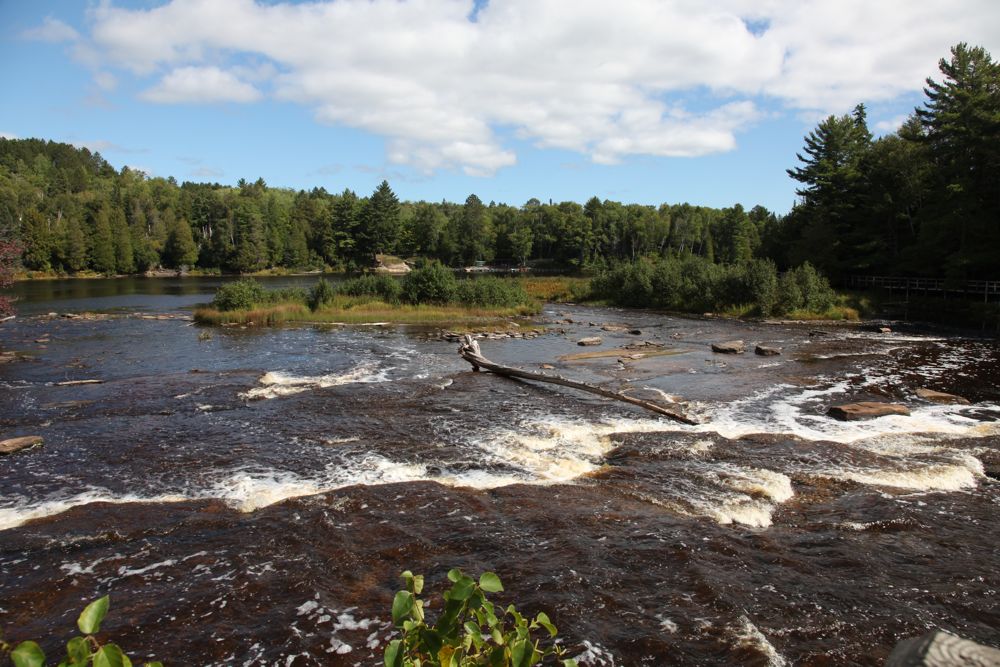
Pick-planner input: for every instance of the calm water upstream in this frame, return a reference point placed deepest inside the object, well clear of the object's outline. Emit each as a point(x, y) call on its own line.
point(249, 497)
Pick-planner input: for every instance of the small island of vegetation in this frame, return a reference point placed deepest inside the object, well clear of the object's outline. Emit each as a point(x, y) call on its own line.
point(428, 295)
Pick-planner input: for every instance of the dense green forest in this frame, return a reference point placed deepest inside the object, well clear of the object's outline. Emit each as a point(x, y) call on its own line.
point(922, 201)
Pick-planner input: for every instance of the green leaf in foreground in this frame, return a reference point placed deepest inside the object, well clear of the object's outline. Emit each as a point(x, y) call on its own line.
point(28, 654)
point(110, 655)
point(401, 606)
point(78, 651)
point(394, 654)
point(490, 582)
point(91, 617)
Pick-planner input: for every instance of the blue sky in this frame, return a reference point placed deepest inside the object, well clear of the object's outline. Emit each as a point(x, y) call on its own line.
point(646, 101)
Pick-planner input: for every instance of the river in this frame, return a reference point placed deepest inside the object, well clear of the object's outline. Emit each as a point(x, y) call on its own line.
point(249, 497)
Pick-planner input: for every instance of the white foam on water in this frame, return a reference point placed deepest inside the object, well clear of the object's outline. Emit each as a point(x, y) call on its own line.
point(276, 383)
point(746, 635)
point(727, 494)
point(793, 410)
point(12, 516)
point(935, 477)
point(248, 491)
point(555, 450)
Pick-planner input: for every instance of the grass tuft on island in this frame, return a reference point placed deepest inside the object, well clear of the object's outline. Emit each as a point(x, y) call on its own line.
point(428, 295)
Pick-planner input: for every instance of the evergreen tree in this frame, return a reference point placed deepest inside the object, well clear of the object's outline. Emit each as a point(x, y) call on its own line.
point(341, 242)
point(75, 246)
point(102, 255)
point(37, 241)
point(961, 119)
point(180, 248)
point(834, 190)
point(248, 229)
point(379, 221)
point(122, 238)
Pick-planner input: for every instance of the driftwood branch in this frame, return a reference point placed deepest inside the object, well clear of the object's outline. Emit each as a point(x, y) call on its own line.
point(469, 350)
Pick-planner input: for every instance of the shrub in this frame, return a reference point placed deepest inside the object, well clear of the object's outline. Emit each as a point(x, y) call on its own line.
point(432, 283)
point(754, 283)
point(817, 295)
point(490, 291)
point(381, 286)
point(320, 294)
point(242, 294)
point(789, 293)
point(469, 630)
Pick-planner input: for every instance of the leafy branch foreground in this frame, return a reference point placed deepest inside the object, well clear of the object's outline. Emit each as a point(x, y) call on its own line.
point(469, 632)
point(80, 651)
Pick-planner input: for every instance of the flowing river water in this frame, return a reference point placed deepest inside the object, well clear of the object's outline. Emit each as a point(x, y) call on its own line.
point(249, 497)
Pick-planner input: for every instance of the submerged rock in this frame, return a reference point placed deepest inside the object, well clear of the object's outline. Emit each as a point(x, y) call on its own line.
point(592, 340)
point(730, 347)
point(940, 397)
point(866, 410)
point(12, 445)
point(765, 351)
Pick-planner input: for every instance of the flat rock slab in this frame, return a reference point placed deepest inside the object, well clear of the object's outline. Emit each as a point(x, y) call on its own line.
point(942, 649)
point(12, 445)
point(730, 347)
point(592, 340)
point(765, 351)
point(866, 410)
point(940, 397)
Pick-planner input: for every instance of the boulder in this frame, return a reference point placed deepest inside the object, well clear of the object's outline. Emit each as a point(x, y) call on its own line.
point(591, 340)
point(940, 397)
point(938, 648)
point(765, 351)
point(730, 347)
point(635, 332)
point(866, 410)
point(12, 445)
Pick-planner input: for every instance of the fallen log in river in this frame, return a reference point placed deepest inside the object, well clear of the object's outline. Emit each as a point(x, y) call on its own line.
point(469, 350)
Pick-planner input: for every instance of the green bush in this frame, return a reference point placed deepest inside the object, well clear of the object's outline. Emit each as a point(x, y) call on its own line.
point(490, 291)
point(382, 286)
point(242, 294)
point(320, 294)
point(432, 283)
point(470, 631)
point(754, 282)
point(694, 284)
point(803, 288)
point(80, 651)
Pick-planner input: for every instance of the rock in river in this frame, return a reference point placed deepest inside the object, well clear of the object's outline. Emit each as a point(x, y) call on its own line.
point(766, 351)
point(592, 340)
point(940, 397)
point(866, 410)
point(12, 445)
point(730, 347)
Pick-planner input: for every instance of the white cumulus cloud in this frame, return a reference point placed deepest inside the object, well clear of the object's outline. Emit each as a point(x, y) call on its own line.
point(52, 30)
point(201, 84)
point(604, 79)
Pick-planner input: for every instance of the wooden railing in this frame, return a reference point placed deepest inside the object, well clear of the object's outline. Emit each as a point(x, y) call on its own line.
point(978, 288)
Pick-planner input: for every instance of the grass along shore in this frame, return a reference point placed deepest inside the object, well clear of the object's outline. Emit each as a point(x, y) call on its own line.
point(349, 310)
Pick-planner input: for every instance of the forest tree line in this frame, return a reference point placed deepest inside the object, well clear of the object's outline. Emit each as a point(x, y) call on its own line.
point(921, 201)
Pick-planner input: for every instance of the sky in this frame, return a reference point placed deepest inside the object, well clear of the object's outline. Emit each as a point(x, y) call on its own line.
point(640, 101)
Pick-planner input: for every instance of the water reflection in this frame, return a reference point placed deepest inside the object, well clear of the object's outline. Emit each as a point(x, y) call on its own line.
point(133, 292)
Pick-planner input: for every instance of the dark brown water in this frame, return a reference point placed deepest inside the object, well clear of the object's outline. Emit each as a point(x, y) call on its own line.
point(250, 498)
